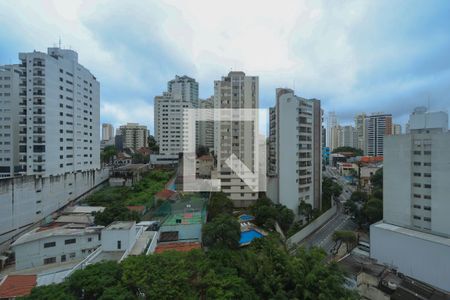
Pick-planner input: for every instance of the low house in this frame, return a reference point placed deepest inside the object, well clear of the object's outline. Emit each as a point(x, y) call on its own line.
point(127, 175)
point(55, 244)
point(140, 209)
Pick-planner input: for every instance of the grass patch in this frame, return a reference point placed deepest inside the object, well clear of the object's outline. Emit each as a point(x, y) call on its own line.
point(141, 193)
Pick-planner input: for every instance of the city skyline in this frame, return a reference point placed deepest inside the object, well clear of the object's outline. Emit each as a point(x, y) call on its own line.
point(133, 61)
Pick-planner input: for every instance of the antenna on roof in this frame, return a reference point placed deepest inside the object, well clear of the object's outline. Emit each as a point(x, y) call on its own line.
point(59, 42)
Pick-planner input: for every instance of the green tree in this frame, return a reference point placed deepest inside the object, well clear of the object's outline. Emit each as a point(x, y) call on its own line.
point(152, 144)
point(285, 217)
point(377, 179)
point(347, 237)
point(223, 231)
point(373, 210)
point(139, 158)
point(354, 151)
point(52, 291)
point(107, 154)
point(219, 203)
point(116, 212)
point(305, 209)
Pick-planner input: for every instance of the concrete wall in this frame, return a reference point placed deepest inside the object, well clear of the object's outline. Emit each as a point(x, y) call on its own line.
point(111, 237)
point(32, 254)
point(185, 231)
point(425, 259)
point(28, 199)
point(313, 226)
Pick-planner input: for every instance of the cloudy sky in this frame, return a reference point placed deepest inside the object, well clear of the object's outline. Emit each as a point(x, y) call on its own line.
point(355, 56)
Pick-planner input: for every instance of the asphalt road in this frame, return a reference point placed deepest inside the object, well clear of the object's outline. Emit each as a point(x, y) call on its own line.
point(323, 237)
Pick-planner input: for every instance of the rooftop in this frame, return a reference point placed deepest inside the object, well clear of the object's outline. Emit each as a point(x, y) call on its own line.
point(415, 233)
point(165, 194)
point(56, 230)
point(184, 218)
point(17, 286)
point(76, 219)
point(183, 247)
point(78, 209)
point(120, 225)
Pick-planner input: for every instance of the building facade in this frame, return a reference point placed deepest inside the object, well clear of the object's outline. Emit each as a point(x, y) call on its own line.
point(107, 132)
point(361, 132)
point(415, 201)
point(236, 91)
point(59, 109)
point(133, 136)
point(295, 150)
point(9, 120)
point(205, 132)
point(378, 126)
point(332, 122)
point(181, 94)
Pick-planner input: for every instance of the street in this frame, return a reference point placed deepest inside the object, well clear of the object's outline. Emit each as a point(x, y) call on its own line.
point(323, 237)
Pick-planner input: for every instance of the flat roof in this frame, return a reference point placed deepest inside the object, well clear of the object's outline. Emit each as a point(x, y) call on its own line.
point(415, 233)
point(120, 225)
point(78, 209)
point(54, 231)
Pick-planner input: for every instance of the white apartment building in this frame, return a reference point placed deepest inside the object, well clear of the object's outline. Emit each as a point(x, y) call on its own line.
point(206, 128)
point(236, 91)
point(295, 150)
point(332, 121)
point(43, 246)
point(182, 93)
point(396, 129)
point(107, 132)
point(347, 136)
point(58, 114)
point(335, 137)
point(414, 236)
point(133, 135)
point(378, 125)
point(9, 120)
point(361, 132)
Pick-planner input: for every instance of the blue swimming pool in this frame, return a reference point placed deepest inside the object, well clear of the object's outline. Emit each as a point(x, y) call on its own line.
point(248, 236)
point(245, 218)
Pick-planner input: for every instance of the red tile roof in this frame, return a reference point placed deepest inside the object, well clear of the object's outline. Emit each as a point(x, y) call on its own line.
point(136, 208)
point(183, 247)
point(165, 194)
point(205, 157)
point(17, 286)
point(371, 159)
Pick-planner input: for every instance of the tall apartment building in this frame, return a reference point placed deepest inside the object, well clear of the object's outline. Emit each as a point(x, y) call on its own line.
point(295, 150)
point(332, 122)
point(396, 129)
point(107, 132)
point(182, 93)
point(58, 114)
point(361, 132)
point(414, 236)
point(334, 137)
point(133, 135)
point(378, 125)
point(205, 132)
point(236, 91)
point(9, 120)
point(347, 136)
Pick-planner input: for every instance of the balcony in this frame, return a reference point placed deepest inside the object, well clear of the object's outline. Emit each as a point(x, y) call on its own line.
point(38, 122)
point(38, 63)
point(39, 112)
point(39, 131)
point(23, 103)
point(38, 84)
point(23, 140)
point(38, 170)
point(39, 94)
point(24, 122)
point(23, 84)
point(38, 102)
point(23, 160)
point(39, 74)
point(22, 93)
point(39, 141)
point(39, 160)
point(23, 112)
point(23, 131)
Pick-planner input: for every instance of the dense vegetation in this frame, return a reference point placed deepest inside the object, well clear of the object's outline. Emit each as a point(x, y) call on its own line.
point(116, 199)
point(355, 151)
point(107, 154)
point(264, 270)
point(367, 208)
point(330, 190)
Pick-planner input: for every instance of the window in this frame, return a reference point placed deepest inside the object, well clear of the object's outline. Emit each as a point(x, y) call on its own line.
point(418, 185)
point(89, 239)
point(72, 255)
point(427, 207)
point(70, 241)
point(63, 258)
point(49, 260)
point(416, 206)
point(417, 196)
point(417, 174)
point(417, 218)
point(417, 163)
point(426, 219)
point(49, 244)
point(427, 152)
point(427, 164)
point(119, 244)
point(427, 186)
point(416, 152)
point(427, 197)
point(426, 174)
